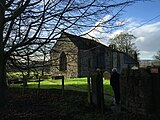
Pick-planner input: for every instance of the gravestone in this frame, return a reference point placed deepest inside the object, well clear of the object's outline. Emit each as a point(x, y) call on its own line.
point(106, 75)
point(97, 89)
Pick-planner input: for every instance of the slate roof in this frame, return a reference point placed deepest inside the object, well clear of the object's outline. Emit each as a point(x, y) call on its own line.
point(83, 43)
point(86, 44)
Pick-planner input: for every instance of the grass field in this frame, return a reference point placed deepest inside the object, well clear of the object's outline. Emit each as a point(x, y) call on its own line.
point(75, 84)
point(48, 102)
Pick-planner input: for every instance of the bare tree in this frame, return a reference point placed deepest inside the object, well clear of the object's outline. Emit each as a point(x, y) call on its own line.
point(33, 23)
point(157, 57)
point(124, 43)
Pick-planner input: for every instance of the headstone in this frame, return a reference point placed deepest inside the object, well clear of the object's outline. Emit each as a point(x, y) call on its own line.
point(97, 90)
point(106, 75)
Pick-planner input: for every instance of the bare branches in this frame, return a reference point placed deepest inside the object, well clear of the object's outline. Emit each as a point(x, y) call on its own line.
point(124, 42)
point(157, 56)
point(32, 24)
point(19, 10)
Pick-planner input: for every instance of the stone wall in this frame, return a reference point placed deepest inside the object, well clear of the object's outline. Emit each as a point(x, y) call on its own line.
point(65, 45)
point(83, 57)
point(82, 60)
point(137, 92)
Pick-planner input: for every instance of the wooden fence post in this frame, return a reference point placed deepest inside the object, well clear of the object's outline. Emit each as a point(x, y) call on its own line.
point(62, 85)
point(89, 90)
point(60, 77)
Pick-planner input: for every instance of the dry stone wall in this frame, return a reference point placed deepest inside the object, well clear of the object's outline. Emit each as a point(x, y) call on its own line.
point(136, 91)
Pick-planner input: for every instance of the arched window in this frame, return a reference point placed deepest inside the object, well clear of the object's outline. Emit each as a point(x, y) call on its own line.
point(63, 62)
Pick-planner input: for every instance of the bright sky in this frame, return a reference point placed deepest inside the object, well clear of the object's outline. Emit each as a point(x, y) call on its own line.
point(143, 21)
point(146, 15)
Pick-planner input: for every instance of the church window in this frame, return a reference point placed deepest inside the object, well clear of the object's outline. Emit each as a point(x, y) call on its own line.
point(63, 62)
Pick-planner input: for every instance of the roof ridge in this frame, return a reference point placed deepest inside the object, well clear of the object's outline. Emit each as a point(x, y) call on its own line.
point(85, 39)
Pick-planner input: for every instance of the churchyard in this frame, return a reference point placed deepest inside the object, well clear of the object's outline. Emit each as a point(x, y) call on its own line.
point(84, 98)
point(48, 101)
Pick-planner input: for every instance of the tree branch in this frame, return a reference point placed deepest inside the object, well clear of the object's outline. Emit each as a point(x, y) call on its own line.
point(18, 12)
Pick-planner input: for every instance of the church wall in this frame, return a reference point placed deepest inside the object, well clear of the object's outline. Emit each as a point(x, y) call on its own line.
point(71, 51)
point(122, 64)
point(108, 60)
point(89, 60)
point(115, 59)
point(81, 61)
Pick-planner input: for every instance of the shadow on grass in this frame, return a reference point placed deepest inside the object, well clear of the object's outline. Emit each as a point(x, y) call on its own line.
point(49, 104)
point(108, 93)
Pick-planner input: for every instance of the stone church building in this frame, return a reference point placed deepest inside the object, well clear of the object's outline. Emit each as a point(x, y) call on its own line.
point(75, 56)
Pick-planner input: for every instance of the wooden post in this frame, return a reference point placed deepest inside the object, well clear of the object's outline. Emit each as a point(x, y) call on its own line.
point(62, 85)
point(60, 77)
point(89, 90)
point(39, 81)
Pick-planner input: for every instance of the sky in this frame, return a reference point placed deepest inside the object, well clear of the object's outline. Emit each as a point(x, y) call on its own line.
point(144, 23)
point(141, 19)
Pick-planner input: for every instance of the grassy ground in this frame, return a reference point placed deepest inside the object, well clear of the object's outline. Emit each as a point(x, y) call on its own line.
point(49, 104)
point(75, 84)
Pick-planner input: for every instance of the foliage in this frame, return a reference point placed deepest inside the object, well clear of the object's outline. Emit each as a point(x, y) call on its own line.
point(124, 43)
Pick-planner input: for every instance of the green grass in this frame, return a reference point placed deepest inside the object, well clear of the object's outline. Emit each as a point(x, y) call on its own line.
point(75, 84)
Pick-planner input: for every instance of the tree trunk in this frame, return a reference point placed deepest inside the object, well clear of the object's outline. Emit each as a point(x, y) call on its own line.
point(28, 67)
point(43, 64)
point(3, 85)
